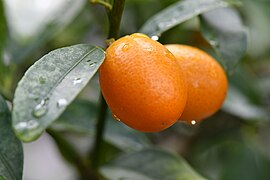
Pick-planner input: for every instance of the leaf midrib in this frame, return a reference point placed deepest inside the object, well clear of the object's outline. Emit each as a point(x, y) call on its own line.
point(67, 72)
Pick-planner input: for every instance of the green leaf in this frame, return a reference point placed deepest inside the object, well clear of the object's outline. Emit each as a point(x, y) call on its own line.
point(216, 157)
point(224, 30)
point(239, 105)
point(50, 85)
point(11, 153)
point(178, 13)
point(149, 164)
point(81, 117)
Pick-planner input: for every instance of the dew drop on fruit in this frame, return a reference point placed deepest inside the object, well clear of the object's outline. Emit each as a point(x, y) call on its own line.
point(41, 109)
point(125, 47)
point(213, 74)
point(116, 118)
point(149, 49)
point(61, 103)
point(77, 81)
point(169, 55)
point(195, 84)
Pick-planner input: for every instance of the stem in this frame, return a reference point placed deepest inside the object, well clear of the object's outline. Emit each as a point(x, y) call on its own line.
point(99, 133)
point(115, 16)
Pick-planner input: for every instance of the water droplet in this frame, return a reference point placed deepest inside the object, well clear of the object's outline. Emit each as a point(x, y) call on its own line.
point(193, 122)
point(164, 25)
point(42, 80)
point(92, 64)
point(77, 81)
point(116, 118)
point(155, 38)
point(213, 74)
point(27, 125)
point(49, 68)
point(169, 55)
point(6, 58)
point(149, 49)
point(61, 103)
point(195, 84)
point(125, 47)
point(41, 109)
point(213, 43)
point(32, 124)
point(21, 126)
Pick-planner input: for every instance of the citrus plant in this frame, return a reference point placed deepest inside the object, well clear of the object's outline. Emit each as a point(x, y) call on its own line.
point(158, 89)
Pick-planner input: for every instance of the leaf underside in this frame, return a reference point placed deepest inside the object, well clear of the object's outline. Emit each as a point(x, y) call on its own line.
point(149, 164)
point(178, 13)
point(224, 31)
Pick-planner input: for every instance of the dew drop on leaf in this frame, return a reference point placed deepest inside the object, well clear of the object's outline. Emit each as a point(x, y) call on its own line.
point(61, 103)
point(32, 124)
point(77, 81)
point(21, 126)
point(92, 64)
point(41, 109)
point(42, 80)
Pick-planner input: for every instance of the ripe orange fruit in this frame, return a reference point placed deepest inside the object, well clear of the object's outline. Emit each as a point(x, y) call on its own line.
point(142, 83)
point(207, 82)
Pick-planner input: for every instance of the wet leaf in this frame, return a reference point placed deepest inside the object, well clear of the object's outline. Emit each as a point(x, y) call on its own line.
point(225, 32)
point(239, 105)
point(149, 164)
point(50, 85)
point(178, 13)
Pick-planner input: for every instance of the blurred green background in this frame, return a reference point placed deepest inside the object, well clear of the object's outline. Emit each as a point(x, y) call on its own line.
point(233, 144)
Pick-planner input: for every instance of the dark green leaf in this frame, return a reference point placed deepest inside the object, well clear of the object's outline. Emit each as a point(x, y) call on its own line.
point(50, 85)
point(227, 157)
point(149, 164)
point(11, 153)
point(81, 117)
point(178, 13)
point(224, 30)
